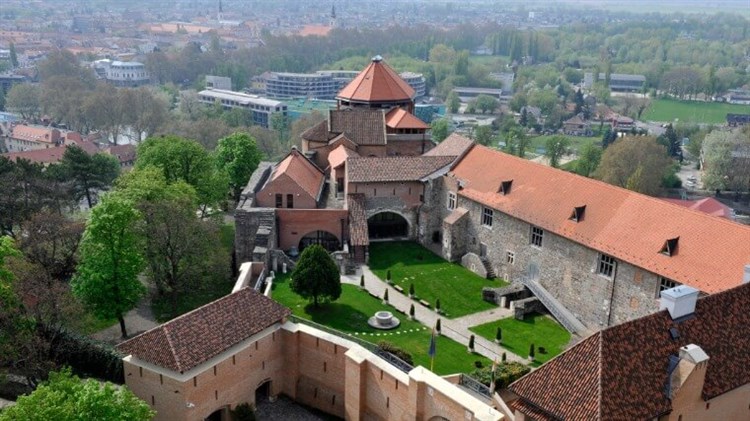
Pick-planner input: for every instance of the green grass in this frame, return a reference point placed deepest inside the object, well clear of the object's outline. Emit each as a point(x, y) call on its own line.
point(350, 312)
point(668, 110)
point(576, 142)
point(518, 335)
point(194, 298)
point(226, 234)
point(459, 289)
point(89, 324)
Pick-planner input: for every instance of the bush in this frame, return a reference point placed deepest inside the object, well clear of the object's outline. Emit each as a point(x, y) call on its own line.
point(411, 311)
point(86, 357)
point(411, 290)
point(437, 305)
point(499, 334)
point(385, 346)
point(505, 374)
point(362, 281)
point(531, 351)
point(385, 295)
point(388, 275)
point(541, 350)
point(504, 357)
point(471, 342)
point(243, 412)
point(478, 364)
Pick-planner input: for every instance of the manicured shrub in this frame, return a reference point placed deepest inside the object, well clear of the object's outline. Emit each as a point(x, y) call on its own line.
point(471, 343)
point(504, 357)
point(437, 305)
point(385, 295)
point(531, 352)
point(437, 326)
point(499, 335)
point(362, 281)
point(411, 290)
point(385, 346)
point(411, 311)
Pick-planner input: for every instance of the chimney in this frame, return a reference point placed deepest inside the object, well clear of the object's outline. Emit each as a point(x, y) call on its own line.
point(679, 301)
point(691, 361)
point(746, 276)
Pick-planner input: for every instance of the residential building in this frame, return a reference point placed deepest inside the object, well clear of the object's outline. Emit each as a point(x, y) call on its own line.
point(618, 82)
point(244, 347)
point(416, 81)
point(467, 94)
point(738, 120)
point(307, 85)
point(686, 362)
point(218, 82)
point(261, 109)
point(707, 205)
point(738, 96)
point(24, 137)
point(577, 126)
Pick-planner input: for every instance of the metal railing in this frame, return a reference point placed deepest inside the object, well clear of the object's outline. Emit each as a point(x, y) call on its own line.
point(385, 355)
point(261, 280)
point(474, 385)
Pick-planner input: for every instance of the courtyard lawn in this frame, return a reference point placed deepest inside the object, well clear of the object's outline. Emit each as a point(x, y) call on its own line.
point(518, 335)
point(459, 289)
point(667, 110)
point(350, 312)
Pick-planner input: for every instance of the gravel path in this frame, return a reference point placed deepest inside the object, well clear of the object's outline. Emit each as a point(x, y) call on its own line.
point(456, 329)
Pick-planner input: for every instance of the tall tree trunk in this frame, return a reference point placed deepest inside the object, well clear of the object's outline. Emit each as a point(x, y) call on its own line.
point(122, 326)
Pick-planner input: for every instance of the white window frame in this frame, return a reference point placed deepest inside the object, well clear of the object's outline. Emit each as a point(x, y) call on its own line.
point(536, 232)
point(606, 266)
point(451, 205)
point(510, 257)
point(488, 217)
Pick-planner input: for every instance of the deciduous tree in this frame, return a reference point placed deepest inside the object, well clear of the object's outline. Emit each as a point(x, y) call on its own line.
point(106, 278)
point(636, 161)
point(556, 148)
point(238, 156)
point(588, 159)
point(316, 276)
point(439, 129)
point(24, 99)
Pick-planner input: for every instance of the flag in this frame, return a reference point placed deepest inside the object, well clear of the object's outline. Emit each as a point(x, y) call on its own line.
point(492, 377)
point(431, 351)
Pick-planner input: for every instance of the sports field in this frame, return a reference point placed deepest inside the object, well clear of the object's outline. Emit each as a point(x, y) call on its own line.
point(667, 110)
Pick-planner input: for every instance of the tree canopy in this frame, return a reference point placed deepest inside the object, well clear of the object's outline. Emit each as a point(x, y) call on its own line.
point(638, 163)
point(66, 397)
point(238, 156)
point(106, 278)
point(89, 174)
point(316, 276)
point(439, 129)
point(724, 169)
point(555, 148)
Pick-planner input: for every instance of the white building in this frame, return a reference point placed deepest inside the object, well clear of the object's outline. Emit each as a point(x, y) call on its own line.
point(261, 109)
point(122, 73)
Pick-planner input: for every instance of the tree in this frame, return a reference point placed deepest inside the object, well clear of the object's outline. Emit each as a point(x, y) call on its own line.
point(24, 99)
point(67, 397)
point(722, 170)
point(608, 137)
point(524, 120)
point(143, 110)
point(556, 148)
point(499, 335)
point(316, 276)
point(671, 142)
point(439, 129)
point(14, 326)
point(588, 159)
point(106, 279)
point(471, 343)
point(486, 103)
point(579, 102)
point(238, 156)
point(13, 55)
point(620, 164)
point(453, 102)
point(51, 241)
point(483, 135)
point(89, 174)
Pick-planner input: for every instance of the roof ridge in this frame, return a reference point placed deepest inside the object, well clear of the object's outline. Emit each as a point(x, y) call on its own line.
point(171, 347)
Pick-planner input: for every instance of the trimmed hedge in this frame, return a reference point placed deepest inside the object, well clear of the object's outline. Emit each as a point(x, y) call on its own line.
point(87, 357)
point(505, 374)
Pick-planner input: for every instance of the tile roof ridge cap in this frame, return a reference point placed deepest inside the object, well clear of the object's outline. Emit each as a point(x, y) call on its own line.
point(171, 348)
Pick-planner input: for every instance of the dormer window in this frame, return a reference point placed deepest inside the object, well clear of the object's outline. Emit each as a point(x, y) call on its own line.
point(670, 247)
point(577, 214)
point(505, 187)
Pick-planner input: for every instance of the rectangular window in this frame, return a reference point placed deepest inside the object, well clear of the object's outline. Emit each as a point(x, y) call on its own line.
point(487, 215)
point(537, 236)
point(510, 257)
point(290, 200)
point(279, 200)
point(451, 200)
point(607, 265)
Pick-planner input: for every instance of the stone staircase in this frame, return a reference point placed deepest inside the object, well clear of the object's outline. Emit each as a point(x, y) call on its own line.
point(488, 267)
point(266, 228)
point(562, 314)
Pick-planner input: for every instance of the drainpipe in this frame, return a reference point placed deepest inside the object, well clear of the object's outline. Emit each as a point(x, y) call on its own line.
point(611, 298)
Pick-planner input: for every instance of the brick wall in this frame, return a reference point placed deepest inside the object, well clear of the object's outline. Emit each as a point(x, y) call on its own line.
point(284, 185)
point(296, 223)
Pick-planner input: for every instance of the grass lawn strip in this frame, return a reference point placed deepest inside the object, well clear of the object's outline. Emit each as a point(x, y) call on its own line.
point(459, 289)
point(349, 314)
point(518, 335)
point(667, 110)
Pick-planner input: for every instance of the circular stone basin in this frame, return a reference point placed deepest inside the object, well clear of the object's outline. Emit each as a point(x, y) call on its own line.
point(383, 320)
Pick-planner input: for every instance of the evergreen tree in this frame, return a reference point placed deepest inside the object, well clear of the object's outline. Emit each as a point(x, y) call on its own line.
point(316, 276)
point(13, 55)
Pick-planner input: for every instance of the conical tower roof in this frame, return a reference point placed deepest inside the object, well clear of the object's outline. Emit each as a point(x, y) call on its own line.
point(377, 83)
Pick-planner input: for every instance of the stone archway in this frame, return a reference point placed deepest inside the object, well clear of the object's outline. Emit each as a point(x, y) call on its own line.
point(263, 392)
point(329, 241)
point(385, 225)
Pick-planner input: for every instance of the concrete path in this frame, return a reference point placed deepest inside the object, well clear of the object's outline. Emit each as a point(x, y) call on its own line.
point(456, 329)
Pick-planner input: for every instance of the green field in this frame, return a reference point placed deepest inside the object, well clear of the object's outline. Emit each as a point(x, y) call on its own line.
point(576, 142)
point(518, 335)
point(459, 289)
point(350, 312)
point(667, 110)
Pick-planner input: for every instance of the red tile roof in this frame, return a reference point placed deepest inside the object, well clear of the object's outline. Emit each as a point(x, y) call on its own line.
point(708, 205)
point(453, 145)
point(398, 118)
point(35, 134)
point(361, 126)
point(317, 30)
point(629, 226)
point(339, 155)
point(620, 373)
point(378, 82)
point(303, 172)
point(193, 338)
point(42, 156)
point(394, 168)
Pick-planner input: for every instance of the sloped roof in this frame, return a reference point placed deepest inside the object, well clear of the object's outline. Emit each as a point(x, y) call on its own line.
point(41, 156)
point(453, 145)
point(398, 118)
point(621, 372)
point(708, 205)
point(300, 170)
point(317, 133)
point(193, 338)
point(359, 233)
point(34, 134)
point(394, 168)
point(339, 155)
point(629, 226)
point(378, 82)
point(361, 126)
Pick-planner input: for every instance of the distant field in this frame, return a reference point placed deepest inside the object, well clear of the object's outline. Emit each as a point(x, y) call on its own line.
point(692, 111)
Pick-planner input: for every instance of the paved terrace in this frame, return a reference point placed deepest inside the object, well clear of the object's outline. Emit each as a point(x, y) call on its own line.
point(456, 329)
